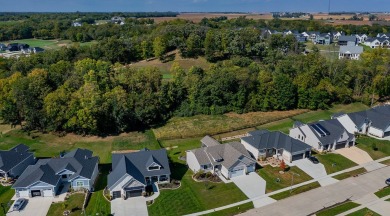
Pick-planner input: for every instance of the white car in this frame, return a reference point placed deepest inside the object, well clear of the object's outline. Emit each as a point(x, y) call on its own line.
point(19, 204)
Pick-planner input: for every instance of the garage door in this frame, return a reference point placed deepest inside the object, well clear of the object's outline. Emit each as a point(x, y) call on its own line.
point(238, 172)
point(23, 193)
point(297, 156)
point(340, 145)
point(116, 194)
point(35, 193)
point(387, 133)
point(47, 193)
point(134, 193)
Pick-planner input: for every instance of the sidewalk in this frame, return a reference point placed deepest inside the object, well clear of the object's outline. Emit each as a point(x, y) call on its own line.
point(378, 205)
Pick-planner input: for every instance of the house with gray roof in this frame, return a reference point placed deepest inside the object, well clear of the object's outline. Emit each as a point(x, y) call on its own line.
point(374, 121)
point(343, 40)
point(230, 160)
point(77, 169)
point(350, 52)
point(14, 161)
point(323, 135)
point(263, 144)
point(324, 38)
point(133, 172)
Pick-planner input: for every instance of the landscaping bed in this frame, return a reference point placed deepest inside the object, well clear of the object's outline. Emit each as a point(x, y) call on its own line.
point(203, 177)
point(350, 174)
point(173, 184)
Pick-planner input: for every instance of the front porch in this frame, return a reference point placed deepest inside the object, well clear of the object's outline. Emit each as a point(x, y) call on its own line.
point(272, 157)
point(157, 179)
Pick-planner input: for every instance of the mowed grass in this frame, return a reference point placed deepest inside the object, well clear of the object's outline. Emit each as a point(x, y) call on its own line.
point(338, 209)
point(386, 162)
point(191, 196)
point(350, 174)
point(98, 205)
point(367, 143)
point(334, 162)
point(364, 212)
point(233, 210)
point(6, 193)
point(74, 204)
point(49, 44)
point(200, 125)
point(276, 181)
point(296, 191)
point(383, 192)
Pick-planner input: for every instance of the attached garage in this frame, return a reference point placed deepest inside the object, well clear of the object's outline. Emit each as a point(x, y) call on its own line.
point(387, 133)
point(24, 193)
point(340, 145)
point(35, 193)
point(116, 194)
point(133, 193)
point(237, 172)
point(48, 193)
point(298, 156)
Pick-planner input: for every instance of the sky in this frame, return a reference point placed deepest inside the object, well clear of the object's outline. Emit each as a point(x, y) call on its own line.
point(192, 5)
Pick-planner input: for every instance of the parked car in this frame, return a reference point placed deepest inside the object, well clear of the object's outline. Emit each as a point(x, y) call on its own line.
point(388, 181)
point(19, 204)
point(313, 159)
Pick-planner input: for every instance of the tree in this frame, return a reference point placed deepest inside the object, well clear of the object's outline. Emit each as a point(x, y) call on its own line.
point(159, 47)
point(282, 165)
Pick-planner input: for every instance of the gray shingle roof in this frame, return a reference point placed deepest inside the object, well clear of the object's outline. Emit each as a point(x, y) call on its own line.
point(136, 164)
point(347, 38)
point(9, 159)
point(79, 161)
point(277, 140)
point(335, 129)
point(209, 141)
point(351, 49)
point(230, 153)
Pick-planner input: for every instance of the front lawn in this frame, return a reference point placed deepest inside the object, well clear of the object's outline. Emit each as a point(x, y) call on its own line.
point(74, 204)
point(350, 174)
point(334, 162)
point(276, 181)
point(383, 192)
point(6, 193)
point(368, 144)
point(338, 209)
point(364, 212)
point(191, 196)
point(233, 210)
point(98, 205)
point(295, 191)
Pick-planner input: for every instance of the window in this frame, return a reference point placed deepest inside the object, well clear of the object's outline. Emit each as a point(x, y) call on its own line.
point(79, 183)
point(154, 167)
point(299, 136)
point(64, 176)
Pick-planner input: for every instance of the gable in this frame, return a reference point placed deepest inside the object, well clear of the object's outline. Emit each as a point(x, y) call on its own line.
point(40, 184)
point(65, 172)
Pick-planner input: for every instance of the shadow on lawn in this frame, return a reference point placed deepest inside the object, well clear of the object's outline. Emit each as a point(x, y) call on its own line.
point(104, 170)
point(178, 170)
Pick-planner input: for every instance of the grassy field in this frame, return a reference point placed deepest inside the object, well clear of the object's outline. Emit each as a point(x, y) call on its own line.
point(74, 204)
point(48, 44)
point(6, 193)
point(383, 192)
point(350, 174)
point(338, 209)
point(366, 143)
point(234, 210)
point(334, 162)
point(296, 191)
point(285, 124)
point(364, 212)
point(200, 125)
point(191, 196)
point(271, 174)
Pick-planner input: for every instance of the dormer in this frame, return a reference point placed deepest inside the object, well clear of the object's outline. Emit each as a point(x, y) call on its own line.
point(152, 164)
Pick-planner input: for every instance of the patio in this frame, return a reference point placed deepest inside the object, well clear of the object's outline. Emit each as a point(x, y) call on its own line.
point(272, 161)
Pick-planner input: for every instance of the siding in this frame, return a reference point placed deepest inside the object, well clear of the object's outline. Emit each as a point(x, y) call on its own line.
point(192, 162)
point(348, 124)
point(376, 132)
point(94, 176)
point(85, 184)
point(251, 149)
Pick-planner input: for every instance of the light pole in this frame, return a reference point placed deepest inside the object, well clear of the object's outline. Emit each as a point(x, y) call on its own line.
point(292, 180)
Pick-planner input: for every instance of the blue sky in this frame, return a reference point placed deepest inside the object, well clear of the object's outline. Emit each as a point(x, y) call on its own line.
point(192, 5)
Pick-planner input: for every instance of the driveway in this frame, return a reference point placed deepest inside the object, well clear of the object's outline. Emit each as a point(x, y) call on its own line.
point(355, 154)
point(132, 206)
point(37, 206)
point(316, 171)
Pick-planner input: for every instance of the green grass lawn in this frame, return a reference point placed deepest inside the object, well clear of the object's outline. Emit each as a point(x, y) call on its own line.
point(49, 44)
point(233, 211)
point(295, 191)
point(364, 212)
point(383, 192)
point(6, 193)
point(338, 209)
point(334, 162)
point(350, 174)
point(74, 204)
point(271, 174)
point(98, 205)
point(191, 196)
point(386, 162)
point(366, 143)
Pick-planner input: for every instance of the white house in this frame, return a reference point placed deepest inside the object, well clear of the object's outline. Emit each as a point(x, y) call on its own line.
point(323, 135)
point(361, 37)
point(262, 144)
point(230, 160)
point(350, 52)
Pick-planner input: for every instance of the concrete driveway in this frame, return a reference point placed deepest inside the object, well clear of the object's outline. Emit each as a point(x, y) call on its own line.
point(316, 171)
point(355, 154)
point(132, 206)
point(37, 206)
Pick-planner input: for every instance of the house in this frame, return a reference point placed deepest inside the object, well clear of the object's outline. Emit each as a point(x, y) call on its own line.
point(337, 35)
point(312, 35)
point(32, 50)
point(323, 135)
point(14, 161)
point(133, 172)
point(263, 144)
point(77, 24)
point(350, 52)
point(383, 35)
point(3, 47)
point(361, 38)
point(372, 42)
point(300, 38)
point(324, 38)
point(118, 20)
point(16, 47)
point(343, 40)
point(77, 169)
point(230, 160)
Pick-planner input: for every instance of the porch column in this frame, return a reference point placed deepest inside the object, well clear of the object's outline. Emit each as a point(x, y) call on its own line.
point(6, 176)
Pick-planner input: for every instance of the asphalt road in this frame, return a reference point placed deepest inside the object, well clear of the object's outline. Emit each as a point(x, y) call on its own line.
point(314, 200)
